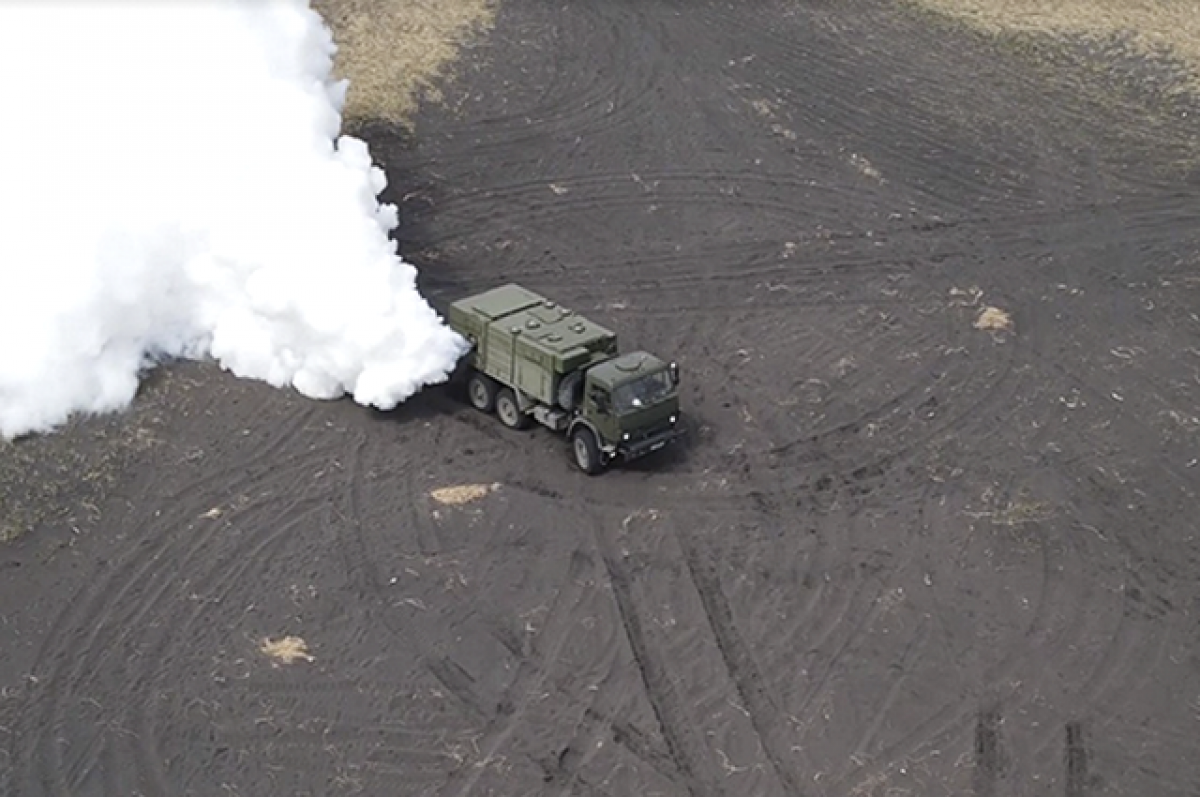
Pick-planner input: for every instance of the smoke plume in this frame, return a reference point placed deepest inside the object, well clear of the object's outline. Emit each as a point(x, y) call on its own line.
point(173, 183)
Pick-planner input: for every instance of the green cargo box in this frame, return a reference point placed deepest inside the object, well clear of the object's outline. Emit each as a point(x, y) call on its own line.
point(526, 341)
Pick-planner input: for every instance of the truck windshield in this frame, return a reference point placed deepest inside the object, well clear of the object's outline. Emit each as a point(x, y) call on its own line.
point(640, 393)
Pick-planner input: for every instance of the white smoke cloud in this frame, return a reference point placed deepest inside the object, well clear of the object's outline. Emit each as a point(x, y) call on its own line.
point(173, 184)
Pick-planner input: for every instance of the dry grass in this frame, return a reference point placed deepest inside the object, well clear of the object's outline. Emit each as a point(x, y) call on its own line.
point(1157, 27)
point(462, 493)
point(392, 51)
point(993, 318)
point(286, 650)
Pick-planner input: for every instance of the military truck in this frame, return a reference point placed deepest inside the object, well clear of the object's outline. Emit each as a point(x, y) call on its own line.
point(532, 360)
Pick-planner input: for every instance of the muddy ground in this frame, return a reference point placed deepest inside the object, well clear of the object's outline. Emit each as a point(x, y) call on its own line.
point(935, 299)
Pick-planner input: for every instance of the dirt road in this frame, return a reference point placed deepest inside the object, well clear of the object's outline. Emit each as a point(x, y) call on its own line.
point(935, 302)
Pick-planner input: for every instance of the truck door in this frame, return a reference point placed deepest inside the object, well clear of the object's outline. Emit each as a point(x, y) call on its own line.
point(599, 411)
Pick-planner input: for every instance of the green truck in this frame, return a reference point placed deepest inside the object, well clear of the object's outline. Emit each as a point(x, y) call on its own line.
point(532, 360)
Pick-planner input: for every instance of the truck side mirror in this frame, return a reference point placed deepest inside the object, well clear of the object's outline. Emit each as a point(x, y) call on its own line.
point(673, 368)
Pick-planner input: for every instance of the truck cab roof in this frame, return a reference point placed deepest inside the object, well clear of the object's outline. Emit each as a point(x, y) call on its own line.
point(625, 368)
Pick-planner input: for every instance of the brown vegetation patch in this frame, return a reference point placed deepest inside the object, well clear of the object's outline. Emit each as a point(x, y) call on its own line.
point(391, 51)
point(1155, 27)
point(461, 493)
point(287, 650)
point(994, 319)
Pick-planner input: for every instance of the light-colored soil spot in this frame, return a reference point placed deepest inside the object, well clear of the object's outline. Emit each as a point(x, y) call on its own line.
point(392, 51)
point(462, 493)
point(1015, 514)
point(286, 650)
point(865, 166)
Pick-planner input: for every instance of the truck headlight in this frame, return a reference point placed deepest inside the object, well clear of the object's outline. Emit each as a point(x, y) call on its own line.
point(672, 420)
point(625, 436)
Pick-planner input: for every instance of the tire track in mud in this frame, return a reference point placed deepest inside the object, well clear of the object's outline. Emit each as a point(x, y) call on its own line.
point(938, 729)
point(862, 111)
point(585, 192)
point(849, 611)
point(762, 706)
point(147, 752)
point(599, 723)
point(144, 749)
point(691, 755)
point(531, 675)
point(916, 135)
point(956, 146)
point(811, 475)
point(1022, 234)
point(1137, 434)
point(820, 452)
point(1145, 625)
point(1076, 761)
point(846, 624)
point(90, 609)
point(1046, 645)
point(1122, 665)
point(501, 716)
point(765, 202)
point(989, 752)
point(902, 668)
point(813, 464)
point(77, 650)
point(756, 275)
point(1105, 531)
point(770, 722)
point(603, 96)
point(1104, 639)
point(952, 397)
point(943, 723)
point(678, 285)
point(266, 452)
point(535, 199)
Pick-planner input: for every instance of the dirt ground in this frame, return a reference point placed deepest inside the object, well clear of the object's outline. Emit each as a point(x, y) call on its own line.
point(935, 297)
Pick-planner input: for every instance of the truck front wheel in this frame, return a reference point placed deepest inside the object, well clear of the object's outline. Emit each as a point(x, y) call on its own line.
point(481, 390)
point(586, 451)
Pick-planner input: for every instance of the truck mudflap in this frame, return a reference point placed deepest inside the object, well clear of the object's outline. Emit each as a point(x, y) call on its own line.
point(648, 445)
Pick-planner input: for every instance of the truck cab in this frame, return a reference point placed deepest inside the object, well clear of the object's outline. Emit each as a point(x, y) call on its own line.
point(631, 408)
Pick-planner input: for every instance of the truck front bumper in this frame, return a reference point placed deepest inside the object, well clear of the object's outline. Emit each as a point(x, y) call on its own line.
point(636, 449)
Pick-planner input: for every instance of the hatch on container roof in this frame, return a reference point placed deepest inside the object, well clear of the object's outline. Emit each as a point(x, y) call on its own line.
point(503, 301)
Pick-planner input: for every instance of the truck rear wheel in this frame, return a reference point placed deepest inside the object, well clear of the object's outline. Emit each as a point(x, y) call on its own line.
point(508, 411)
point(586, 451)
point(481, 390)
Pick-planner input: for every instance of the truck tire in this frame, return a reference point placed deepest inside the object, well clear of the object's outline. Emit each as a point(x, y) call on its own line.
point(570, 390)
point(508, 411)
point(481, 392)
point(585, 451)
